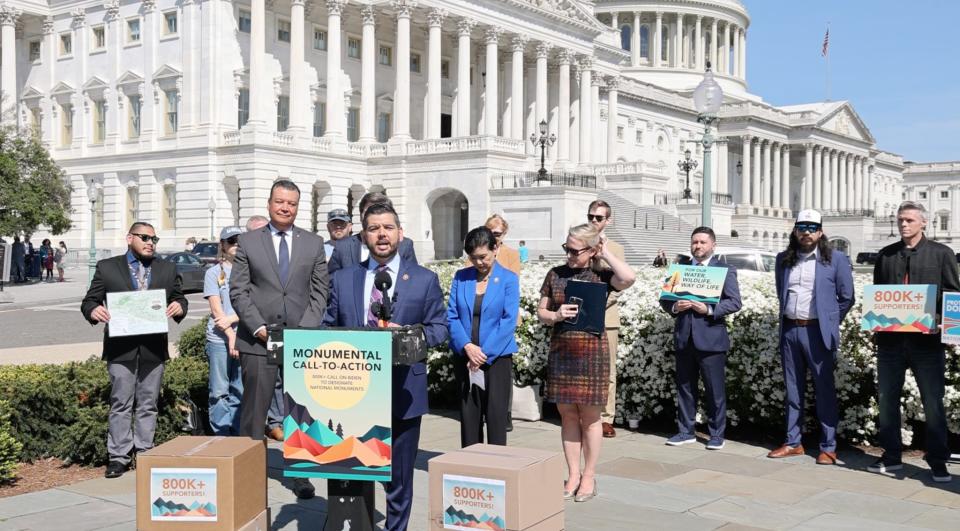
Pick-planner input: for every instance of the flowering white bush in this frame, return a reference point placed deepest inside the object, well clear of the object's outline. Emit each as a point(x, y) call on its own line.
point(755, 388)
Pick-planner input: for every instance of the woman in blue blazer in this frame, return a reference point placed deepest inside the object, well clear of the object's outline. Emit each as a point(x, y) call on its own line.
point(482, 316)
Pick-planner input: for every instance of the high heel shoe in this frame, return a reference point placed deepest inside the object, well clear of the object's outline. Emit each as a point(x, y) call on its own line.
point(569, 495)
point(587, 497)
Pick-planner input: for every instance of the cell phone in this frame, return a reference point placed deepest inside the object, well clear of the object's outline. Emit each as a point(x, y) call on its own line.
point(577, 301)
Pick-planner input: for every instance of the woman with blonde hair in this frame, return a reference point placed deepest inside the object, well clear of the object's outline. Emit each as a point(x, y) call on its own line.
point(506, 256)
point(578, 364)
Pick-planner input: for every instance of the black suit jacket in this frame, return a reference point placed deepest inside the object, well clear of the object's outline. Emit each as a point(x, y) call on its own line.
point(346, 252)
point(113, 275)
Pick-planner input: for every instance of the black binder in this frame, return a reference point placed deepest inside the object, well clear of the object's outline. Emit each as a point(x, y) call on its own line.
point(591, 297)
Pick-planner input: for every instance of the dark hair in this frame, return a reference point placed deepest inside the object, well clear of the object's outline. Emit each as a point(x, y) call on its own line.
point(478, 238)
point(522, 242)
point(139, 224)
point(379, 208)
point(286, 184)
point(793, 250)
point(704, 230)
point(374, 198)
point(600, 203)
point(46, 241)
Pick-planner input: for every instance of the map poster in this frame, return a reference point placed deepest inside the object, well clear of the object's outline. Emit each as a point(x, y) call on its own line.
point(471, 503)
point(951, 319)
point(337, 404)
point(900, 308)
point(183, 494)
point(134, 313)
point(693, 283)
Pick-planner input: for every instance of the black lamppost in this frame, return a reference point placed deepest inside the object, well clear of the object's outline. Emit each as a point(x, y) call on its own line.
point(891, 235)
point(543, 141)
point(686, 165)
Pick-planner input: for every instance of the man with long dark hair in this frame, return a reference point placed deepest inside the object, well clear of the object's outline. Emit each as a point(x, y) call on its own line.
point(815, 289)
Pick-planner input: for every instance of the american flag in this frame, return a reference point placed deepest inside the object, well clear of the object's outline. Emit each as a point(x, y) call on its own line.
point(826, 43)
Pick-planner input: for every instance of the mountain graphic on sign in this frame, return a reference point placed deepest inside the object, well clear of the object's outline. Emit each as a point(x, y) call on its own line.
point(296, 411)
point(376, 432)
point(167, 508)
point(454, 516)
point(883, 323)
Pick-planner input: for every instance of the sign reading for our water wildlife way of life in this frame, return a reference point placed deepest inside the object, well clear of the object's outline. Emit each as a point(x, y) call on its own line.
point(183, 494)
point(900, 308)
point(337, 404)
point(693, 283)
point(951, 319)
point(471, 503)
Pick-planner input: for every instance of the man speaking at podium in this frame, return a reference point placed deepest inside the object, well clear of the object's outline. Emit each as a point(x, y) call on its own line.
point(410, 295)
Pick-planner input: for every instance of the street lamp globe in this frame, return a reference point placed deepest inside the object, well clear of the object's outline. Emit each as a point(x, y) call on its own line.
point(708, 96)
point(92, 193)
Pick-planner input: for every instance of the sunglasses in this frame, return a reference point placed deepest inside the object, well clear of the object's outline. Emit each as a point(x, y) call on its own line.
point(496, 234)
point(146, 238)
point(807, 227)
point(574, 252)
point(232, 240)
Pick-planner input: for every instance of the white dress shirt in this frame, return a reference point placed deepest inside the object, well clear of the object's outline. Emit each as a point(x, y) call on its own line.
point(393, 267)
point(327, 249)
point(801, 297)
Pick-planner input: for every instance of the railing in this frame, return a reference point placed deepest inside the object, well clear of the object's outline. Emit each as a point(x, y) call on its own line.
point(676, 199)
point(853, 213)
point(231, 138)
point(282, 139)
point(531, 179)
point(465, 143)
point(321, 144)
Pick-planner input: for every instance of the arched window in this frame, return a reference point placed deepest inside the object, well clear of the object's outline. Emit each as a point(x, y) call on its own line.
point(664, 43)
point(626, 37)
point(645, 42)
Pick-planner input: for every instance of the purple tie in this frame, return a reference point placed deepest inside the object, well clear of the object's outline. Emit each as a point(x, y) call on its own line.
point(375, 297)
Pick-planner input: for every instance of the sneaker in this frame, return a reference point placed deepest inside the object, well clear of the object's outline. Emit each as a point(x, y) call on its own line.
point(940, 473)
point(884, 465)
point(681, 439)
point(715, 443)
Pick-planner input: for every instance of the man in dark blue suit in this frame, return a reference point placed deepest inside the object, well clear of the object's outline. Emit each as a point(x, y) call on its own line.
point(417, 300)
point(353, 249)
point(815, 288)
point(700, 334)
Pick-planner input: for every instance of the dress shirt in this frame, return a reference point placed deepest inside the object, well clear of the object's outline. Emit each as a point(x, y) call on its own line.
point(801, 297)
point(393, 266)
point(364, 251)
point(275, 232)
point(328, 249)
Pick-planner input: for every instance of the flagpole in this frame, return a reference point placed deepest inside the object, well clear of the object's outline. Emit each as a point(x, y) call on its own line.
point(826, 53)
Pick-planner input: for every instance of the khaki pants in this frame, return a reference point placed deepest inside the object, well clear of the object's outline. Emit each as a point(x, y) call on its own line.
point(610, 410)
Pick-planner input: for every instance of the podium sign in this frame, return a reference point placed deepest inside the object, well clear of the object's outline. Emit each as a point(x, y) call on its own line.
point(951, 319)
point(900, 308)
point(693, 283)
point(337, 404)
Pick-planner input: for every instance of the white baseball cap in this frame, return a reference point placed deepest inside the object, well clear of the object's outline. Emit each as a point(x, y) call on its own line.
point(809, 216)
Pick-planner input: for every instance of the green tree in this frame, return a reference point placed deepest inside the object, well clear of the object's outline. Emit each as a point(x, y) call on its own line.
point(33, 190)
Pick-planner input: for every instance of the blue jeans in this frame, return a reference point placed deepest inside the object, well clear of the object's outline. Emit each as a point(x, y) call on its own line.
point(226, 388)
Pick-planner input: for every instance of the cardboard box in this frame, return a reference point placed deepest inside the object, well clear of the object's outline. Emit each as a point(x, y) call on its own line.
point(497, 487)
point(260, 523)
point(202, 483)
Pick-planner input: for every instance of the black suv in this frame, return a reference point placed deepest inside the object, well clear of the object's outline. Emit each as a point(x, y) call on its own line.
point(867, 258)
point(207, 251)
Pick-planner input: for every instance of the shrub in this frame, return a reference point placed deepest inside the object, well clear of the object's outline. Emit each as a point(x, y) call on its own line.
point(10, 447)
point(193, 341)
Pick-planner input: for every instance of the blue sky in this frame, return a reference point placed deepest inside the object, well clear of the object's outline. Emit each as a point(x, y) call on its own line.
point(897, 62)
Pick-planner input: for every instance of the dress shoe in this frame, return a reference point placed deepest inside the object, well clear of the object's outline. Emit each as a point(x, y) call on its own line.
point(884, 465)
point(275, 433)
point(569, 494)
point(115, 469)
point(786, 451)
point(586, 497)
point(608, 430)
point(940, 473)
point(303, 488)
point(827, 458)
point(509, 421)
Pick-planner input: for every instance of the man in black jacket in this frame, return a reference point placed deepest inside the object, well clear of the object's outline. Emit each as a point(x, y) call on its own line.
point(134, 363)
point(351, 250)
point(913, 260)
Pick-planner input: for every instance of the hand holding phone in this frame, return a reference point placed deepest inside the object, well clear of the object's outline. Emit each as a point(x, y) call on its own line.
point(571, 310)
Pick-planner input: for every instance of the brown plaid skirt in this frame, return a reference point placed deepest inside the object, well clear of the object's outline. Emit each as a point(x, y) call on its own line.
point(578, 369)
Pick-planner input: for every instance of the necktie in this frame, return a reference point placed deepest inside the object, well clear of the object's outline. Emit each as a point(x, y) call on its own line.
point(284, 258)
point(140, 272)
point(375, 297)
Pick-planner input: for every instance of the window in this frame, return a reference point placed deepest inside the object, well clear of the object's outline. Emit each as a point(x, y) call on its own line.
point(98, 210)
point(34, 51)
point(319, 39)
point(66, 125)
point(944, 220)
point(169, 211)
point(645, 41)
point(319, 115)
point(353, 120)
point(35, 122)
point(133, 204)
point(99, 38)
point(244, 21)
point(133, 124)
point(283, 113)
point(383, 127)
point(626, 37)
point(66, 44)
point(243, 108)
point(133, 30)
point(944, 194)
point(415, 63)
point(639, 137)
point(353, 48)
point(620, 133)
point(99, 121)
point(923, 195)
point(283, 30)
point(386, 55)
point(171, 123)
point(445, 69)
point(170, 23)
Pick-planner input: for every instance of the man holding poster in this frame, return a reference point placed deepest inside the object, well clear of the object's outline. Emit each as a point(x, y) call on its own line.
point(700, 334)
point(416, 299)
point(913, 260)
point(815, 290)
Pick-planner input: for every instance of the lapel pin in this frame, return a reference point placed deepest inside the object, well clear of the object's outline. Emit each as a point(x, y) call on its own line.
point(406, 276)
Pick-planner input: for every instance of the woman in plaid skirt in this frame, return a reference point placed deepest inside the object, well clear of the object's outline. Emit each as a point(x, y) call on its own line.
point(578, 365)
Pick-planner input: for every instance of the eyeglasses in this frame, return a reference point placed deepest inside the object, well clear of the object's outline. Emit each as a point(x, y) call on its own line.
point(146, 238)
point(232, 240)
point(596, 217)
point(807, 227)
point(572, 251)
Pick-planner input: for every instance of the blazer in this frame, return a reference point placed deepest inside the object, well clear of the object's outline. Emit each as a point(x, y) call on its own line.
point(112, 275)
point(498, 313)
point(418, 300)
point(833, 286)
point(708, 332)
point(258, 296)
point(346, 252)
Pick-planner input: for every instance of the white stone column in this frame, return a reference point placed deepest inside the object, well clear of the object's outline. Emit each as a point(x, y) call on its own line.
point(491, 106)
point(746, 171)
point(680, 55)
point(776, 156)
point(586, 109)
point(188, 98)
point(115, 120)
point(368, 72)
point(785, 177)
point(564, 58)
point(635, 40)
point(834, 180)
point(714, 53)
point(543, 52)
point(816, 190)
point(9, 16)
point(723, 168)
point(864, 185)
point(766, 180)
point(401, 102)
point(698, 45)
point(513, 111)
point(806, 197)
point(260, 88)
point(299, 92)
point(335, 126)
point(464, 28)
point(756, 193)
point(613, 86)
point(655, 46)
point(596, 150)
point(743, 54)
point(851, 184)
point(574, 127)
point(826, 176)
point(842, 181)
point(434, 88)
point(738, 53)
point(725, 50)
point(871, 183)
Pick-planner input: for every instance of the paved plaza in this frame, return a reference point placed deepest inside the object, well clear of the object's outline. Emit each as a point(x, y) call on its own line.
point(643, 485)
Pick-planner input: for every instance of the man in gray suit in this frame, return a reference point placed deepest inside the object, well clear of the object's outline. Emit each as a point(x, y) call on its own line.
point(279, 278)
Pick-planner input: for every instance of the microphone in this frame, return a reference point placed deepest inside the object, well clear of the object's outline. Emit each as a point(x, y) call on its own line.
point(383, 282)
